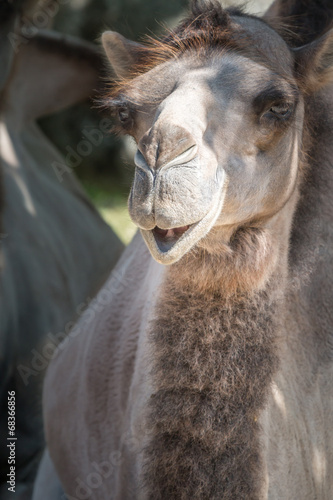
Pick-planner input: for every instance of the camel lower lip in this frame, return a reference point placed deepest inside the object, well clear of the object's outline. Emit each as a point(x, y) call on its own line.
point(167, 246)
point(166, 238)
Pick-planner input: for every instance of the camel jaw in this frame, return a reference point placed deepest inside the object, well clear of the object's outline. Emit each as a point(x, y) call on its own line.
point(169, 245)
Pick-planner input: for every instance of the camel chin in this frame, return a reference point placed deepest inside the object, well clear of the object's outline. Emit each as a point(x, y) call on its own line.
point(167, 246)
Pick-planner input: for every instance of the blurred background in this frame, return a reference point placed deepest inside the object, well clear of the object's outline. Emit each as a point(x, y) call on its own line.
point(105, 169)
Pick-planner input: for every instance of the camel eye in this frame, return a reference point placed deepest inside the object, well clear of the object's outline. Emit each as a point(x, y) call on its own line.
point(124, 114)
point(281, 110)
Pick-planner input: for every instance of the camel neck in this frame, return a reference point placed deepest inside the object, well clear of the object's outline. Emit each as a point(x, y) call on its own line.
point(214, 360)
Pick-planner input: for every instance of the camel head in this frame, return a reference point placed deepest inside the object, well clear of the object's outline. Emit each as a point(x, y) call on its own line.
point(217, 110)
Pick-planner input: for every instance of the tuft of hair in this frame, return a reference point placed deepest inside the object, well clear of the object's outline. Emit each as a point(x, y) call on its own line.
point(211, 9)
point(207, 27)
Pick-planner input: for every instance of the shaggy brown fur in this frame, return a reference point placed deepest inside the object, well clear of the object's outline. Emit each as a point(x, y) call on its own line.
point(214, 358)
point(241, 266)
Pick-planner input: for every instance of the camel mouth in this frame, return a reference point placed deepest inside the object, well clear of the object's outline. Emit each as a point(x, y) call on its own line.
point(169, 245)
point(167, 238)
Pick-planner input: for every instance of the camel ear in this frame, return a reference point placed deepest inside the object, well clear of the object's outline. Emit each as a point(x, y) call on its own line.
point(307, 20)
point(314, 63)
point(122, 53)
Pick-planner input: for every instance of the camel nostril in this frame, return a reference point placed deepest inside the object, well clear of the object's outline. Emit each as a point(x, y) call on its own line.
point(184, 157)
point(140, 160)
point(187, 155)
point(166, 144)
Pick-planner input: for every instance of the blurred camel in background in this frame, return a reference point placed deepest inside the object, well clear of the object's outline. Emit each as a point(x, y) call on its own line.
point(55, 249)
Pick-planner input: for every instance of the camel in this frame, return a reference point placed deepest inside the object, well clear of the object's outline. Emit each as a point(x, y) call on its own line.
point(208, 373)
point(55, 250)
